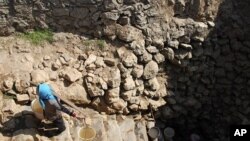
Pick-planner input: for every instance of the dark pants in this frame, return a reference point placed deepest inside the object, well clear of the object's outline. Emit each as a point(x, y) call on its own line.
point(58, 123)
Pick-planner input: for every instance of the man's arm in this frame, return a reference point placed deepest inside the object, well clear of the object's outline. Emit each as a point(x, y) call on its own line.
point(62, 108)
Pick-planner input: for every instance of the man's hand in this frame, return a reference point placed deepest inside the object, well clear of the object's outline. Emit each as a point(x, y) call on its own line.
point(73, 114)
point(78, 116)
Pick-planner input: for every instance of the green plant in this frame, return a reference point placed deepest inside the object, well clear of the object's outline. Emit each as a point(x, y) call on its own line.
point(98, 43)
point(38, 36)
point(101, 44)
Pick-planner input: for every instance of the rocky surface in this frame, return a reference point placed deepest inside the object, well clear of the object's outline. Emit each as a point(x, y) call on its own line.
point(187, 59)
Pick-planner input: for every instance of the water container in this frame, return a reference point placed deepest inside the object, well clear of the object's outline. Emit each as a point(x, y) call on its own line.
point(169, 133)
point(87, 133)
point(154, 133)
point(37, 109)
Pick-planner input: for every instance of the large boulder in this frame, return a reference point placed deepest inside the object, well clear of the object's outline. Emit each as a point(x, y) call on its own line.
point(71, 74)
point(128, 33)
point(151, 69)
point(77, 94)
point(111, 76)
point(39, 76)
point(129, 59)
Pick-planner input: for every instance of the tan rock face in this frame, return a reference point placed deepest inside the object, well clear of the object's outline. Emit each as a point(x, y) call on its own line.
point(39, 76)
point(71, 74)
point(151, 69)
point(77, 94)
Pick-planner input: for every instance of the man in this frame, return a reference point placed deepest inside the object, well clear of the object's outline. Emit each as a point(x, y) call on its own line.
point(52, 109)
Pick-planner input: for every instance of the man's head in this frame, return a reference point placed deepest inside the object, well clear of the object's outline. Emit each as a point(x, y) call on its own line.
point(44, 91)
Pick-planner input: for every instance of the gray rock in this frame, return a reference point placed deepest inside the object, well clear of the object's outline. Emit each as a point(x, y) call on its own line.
point(174, 44)
point(112, 95)
point(91, 59)
point(152, 49)
point(60, 12)
point(157, 103)
point(39, 76)
point(110, 61)
point(168, 53)
point(126, 95)
point(134, 107)
point(71, 74)
point(56, 65)
point(129, 83)
point(181, 54)
point(150, 71)
point(159, 58)
point(198, 39)
point(129, 59)
point(186, 46)
point(211, 24)
point(46, 64)
point(83, 57)
point(124, 20)
point(103, 84)
point(137, 71)
point(79, 13)
point(128, 33)
point(77, 94)
point(93, 90)
point(138, 46)
point(134, 100)
point(8, 83)
point(100, 62)
point(144, 103)
point(22, 98)
point(111, 16)
point(119, 105)
point(111, 76)
point(121, 51)
point(46, 58)
point(111, 4)
point(21, 85)
point(153, 84)
point(146, 57)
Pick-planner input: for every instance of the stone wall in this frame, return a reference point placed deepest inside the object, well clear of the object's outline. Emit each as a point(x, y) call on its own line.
point(200, 47)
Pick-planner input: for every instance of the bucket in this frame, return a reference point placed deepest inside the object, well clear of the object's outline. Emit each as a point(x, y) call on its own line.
point(87, 133)
point(37, 109)
point(169, 133)
point(154, 132)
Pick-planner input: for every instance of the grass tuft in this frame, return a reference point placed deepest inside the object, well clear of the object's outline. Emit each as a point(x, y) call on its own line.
point(92, 43)
point(38, 36)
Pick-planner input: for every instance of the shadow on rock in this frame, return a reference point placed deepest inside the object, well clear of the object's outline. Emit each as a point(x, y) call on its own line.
point(26, 125)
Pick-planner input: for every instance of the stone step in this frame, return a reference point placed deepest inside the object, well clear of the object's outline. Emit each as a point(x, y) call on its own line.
point(127, 128)
point(98, 125)
point(141, 131)
point(113, 129)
